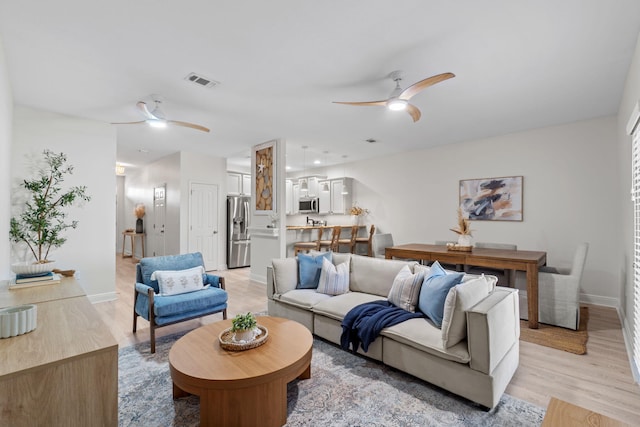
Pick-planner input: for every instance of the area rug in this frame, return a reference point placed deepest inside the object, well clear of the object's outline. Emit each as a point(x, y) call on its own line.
point(559, 338)
point(344, 390)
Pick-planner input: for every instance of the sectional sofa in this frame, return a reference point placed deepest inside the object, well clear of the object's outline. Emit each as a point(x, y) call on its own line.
point(474, 354)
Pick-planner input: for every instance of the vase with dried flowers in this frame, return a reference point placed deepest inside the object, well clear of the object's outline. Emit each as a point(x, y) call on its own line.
point(463, 230)
point(138, 211)
point(357, 213)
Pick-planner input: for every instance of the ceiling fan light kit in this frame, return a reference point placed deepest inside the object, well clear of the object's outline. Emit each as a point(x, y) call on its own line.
point(399, 98)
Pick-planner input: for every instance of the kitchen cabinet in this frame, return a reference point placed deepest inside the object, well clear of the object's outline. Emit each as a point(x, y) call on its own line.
point(288, 186)
point(295, 196)
point(238, 183)
point(312, 185)
point(334, 201)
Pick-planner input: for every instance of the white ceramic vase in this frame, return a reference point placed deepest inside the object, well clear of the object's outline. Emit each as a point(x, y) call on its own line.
point(245, 335)
point(465, 240)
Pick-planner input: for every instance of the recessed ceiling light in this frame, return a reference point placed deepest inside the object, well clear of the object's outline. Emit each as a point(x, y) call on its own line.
point(316, 162)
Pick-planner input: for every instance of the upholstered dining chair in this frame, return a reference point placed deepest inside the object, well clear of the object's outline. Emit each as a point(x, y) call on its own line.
point(380, 242)
point(558, 292)
point(174, 288)
point(365, 241)
point(505, 277)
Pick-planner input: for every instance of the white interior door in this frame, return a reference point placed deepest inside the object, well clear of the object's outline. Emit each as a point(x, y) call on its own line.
point(159, 220)
point(203, 222)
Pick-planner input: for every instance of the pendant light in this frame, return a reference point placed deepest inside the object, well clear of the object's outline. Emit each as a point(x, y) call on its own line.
point(325, 184)
point(344, 174)
point(303, 182)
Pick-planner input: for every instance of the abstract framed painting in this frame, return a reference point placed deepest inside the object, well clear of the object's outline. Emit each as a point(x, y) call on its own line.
point(492, 199)
point(264, 161)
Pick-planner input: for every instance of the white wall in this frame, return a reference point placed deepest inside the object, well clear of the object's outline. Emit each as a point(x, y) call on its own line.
point(570, 195)
point(90, 147)
point(6, 118)
point(631, 96)
point(203, 169)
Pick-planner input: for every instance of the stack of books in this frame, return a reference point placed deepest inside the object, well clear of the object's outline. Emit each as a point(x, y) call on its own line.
point(28, 280)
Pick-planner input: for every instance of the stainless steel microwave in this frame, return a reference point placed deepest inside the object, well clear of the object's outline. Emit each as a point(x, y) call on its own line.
point(309, 205)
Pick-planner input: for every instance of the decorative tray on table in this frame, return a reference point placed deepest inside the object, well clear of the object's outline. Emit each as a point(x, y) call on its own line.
point(458, 248)
point(228, 341)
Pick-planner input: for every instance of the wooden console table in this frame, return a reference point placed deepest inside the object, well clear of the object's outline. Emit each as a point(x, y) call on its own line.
point(528, 261)
point(133, 236)
point(65, 372)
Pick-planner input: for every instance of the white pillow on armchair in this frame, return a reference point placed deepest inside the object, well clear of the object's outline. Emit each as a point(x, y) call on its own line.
point(179, 281)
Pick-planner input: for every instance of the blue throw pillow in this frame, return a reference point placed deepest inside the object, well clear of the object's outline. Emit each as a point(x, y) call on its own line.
point(309, 269)
point(434, 292)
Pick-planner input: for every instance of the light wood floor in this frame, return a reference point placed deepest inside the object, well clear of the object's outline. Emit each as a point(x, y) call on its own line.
point(601, 380)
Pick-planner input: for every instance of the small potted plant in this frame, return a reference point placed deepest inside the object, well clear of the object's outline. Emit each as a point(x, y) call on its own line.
point(243, 327)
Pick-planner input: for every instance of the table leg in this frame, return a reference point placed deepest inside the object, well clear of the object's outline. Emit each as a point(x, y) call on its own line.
point(142, 240)
point(178, 392)
point(124, 238)
point(532, 295)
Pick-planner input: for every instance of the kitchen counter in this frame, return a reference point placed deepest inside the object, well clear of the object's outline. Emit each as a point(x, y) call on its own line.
point(317, 227)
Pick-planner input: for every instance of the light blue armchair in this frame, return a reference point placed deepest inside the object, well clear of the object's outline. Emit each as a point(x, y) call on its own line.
point(161, 310)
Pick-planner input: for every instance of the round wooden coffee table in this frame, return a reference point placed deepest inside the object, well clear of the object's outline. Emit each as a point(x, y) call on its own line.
point(241, 388)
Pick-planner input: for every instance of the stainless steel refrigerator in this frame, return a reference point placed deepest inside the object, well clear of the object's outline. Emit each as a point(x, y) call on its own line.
point(238, 238)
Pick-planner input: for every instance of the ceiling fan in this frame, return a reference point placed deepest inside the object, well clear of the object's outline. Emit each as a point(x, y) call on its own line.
point(399, 98)
point(156, 117)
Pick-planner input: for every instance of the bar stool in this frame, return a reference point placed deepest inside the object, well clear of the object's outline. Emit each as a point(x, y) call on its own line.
point(366, 240)
point(307, 246)
point(329, 245)
point(351, 241)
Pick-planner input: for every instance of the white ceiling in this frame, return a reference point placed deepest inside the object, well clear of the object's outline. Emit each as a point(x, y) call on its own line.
point(280, 63)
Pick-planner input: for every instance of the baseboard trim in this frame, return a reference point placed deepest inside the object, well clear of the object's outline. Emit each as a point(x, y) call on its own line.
point(600, 300)
point(104, 297)
point(260, 278)
point(628, 343)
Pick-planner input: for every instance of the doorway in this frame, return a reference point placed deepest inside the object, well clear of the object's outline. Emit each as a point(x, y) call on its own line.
point(203, 223)
point(159, 218)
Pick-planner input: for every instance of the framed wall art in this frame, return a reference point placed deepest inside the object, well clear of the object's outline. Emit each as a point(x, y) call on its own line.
point(492, 199)
point(264, 159)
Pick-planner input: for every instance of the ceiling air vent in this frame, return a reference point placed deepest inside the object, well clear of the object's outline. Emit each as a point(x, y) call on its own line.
point(201, 80)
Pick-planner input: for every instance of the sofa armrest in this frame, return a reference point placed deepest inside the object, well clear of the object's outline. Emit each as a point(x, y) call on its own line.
point(270, 286)
point(493, 328)
point(143, 289)
point(213, 280)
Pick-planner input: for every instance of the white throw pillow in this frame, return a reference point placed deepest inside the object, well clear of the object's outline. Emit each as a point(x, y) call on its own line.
point(460, 299)
point(405, 290)
point(179, 281)
point(334, 279)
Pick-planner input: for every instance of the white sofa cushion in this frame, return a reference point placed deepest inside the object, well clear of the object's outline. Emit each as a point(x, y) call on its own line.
point(459, 299)
point(373, 275)
point(425, 336)
point(285, 274)
point(337, 307)
point(303, 298)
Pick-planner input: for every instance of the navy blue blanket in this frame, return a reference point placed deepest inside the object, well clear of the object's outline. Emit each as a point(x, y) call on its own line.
point(363, 323)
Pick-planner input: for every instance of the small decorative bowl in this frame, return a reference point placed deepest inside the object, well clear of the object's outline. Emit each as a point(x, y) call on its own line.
point(33, 268)
point(17, 320)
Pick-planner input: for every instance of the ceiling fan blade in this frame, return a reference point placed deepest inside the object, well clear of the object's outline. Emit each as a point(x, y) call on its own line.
point(188, 125)
point(370, 103)
point(128, 123)
point(142, 106)
point(423, 84)
point(414, 112)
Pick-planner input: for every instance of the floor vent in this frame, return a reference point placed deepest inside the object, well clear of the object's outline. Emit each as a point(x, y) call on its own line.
point(201, 80)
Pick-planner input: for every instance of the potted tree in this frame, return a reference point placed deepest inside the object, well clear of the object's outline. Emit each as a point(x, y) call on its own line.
point(43, 220)
point(243, 327)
